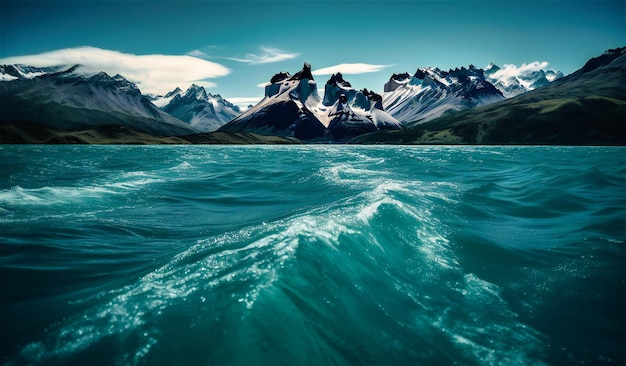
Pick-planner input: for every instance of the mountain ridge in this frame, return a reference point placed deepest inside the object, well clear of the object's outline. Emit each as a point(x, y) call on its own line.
point(458, 106)
point(66, 99)
point(292, 107)
point(204, 111)
point(587, 107)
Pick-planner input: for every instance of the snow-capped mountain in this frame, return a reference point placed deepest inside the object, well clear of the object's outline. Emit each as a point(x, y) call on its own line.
point(586, 107)
point(203, 111)
point(69, 99)
point(15, 72)
point(431, 92)
point(162, 100)
point(289, 108)
point(352, 112)
point(512, 80)
point(293, 107)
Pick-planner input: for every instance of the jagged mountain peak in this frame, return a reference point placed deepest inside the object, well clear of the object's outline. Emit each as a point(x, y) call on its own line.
point(491, 68)
point(305, 73)
point(173, 93)
point(431, 92)
point(292, 107)
point(195, 91)
point(338, 80)
point(21, 71)
point(63, 99)
point(277, 78)
point(512, 80)
point(400, 77)
point(281, 76)
point(202, 110)
point(117, 82)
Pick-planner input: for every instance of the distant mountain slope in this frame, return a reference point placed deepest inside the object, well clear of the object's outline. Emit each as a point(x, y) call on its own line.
point(587, 107)
point(31, 133)
point(432, 93)
point(67, 100)
point(203, 111)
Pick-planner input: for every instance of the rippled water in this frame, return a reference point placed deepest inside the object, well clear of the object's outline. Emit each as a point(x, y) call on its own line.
point(313, 255)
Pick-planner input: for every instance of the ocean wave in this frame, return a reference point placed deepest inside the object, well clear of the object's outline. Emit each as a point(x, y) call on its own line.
point(314, 255)
point(322, 265)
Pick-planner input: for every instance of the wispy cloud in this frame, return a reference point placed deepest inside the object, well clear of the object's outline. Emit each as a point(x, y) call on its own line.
point(244, 102)
point(205, 53)
point(156, 74)
point(350, 69)
point(267, 55)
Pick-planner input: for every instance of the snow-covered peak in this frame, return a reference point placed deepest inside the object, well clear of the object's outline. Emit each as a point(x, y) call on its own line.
point(396, 81)
point(337, 88)
point(491, 68)
point(202, 110)
point(19, 71)
point(161, 101)
point(431, 92)
point(513, 80)
point(197, 92)
point(301, 86)
point(292, 107)
point(338, 81)
point(67, 98)
point(117, 82)
point(173, 93)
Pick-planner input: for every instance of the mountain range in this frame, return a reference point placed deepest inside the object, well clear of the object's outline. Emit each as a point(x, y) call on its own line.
point(587, 107)
point(431, 93)
point(293, 107)
point(69, 100)
point(463, 105)
point(513, 81)
point(203, 111)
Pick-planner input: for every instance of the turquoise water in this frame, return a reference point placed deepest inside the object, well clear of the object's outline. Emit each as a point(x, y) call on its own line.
point(312, 255)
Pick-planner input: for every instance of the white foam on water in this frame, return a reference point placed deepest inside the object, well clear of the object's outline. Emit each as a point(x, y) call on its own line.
point(253, 256)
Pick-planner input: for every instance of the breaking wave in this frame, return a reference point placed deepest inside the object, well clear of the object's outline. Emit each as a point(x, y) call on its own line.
point(314, 255)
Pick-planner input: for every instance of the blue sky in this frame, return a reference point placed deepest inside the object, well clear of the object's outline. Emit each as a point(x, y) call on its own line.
point(241, 44)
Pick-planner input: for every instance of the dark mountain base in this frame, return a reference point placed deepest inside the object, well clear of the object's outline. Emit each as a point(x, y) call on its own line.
point(593, 120)
point(21, 132)
point(280, 119)
point(34, 133)
point(238, 138)
point(587, 107)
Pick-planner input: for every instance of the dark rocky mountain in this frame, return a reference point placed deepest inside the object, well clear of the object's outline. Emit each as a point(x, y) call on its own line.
point(292, 107)
point(288, 109)
point(588, 107)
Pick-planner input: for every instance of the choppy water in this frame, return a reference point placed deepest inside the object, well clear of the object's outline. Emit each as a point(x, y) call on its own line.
point(314, 255)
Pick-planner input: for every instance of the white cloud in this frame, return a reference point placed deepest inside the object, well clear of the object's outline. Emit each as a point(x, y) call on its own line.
point(512, 71)
point(155, 74)
point(267, 55)
point(350, 69)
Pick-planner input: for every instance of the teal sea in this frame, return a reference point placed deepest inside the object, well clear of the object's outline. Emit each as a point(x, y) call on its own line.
point(312, 255)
